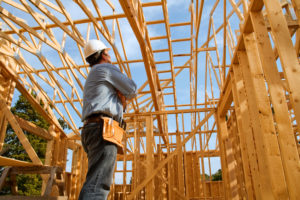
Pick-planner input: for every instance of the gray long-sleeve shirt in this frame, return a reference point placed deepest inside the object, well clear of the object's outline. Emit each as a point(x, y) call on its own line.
point(100, 91)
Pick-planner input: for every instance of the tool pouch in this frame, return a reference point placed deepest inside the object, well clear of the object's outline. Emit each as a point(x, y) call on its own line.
point(112, 132)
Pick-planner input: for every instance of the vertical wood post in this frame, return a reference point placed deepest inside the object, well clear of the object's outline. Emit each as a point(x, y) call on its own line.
point(245, 132)
point(227, 160)
point(287, 143)
point(271, 169)
point(180, 165)
point(149, 157)
point(288, 56)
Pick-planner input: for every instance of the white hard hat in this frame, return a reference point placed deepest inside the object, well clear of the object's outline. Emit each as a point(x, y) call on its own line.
point(93, 46)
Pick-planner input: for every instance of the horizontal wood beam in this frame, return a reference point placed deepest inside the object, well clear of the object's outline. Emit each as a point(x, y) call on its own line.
point(182, 40)
point(206, 49)
point(34, 170)
point(34, 129)
point(210, 153)
point(169, 112)
point(143, 134)
point(33, 198)
point(150, 4)
point(4, 161)
point(180, 24)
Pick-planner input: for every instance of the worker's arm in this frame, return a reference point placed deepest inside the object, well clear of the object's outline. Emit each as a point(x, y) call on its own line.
point(123, 100)
point(122, 83)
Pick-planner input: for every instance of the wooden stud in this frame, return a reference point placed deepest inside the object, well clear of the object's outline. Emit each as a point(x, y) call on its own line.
point(286, 51)
point(289, 154)
point(244, 124)
point(267, 130)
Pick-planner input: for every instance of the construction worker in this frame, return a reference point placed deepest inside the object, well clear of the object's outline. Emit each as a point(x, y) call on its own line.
point(105, 93)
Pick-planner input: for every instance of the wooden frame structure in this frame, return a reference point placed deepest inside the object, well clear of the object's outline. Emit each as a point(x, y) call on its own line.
point(207, 95)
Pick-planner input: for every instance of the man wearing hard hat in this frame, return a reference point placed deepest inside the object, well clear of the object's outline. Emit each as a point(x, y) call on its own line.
point(104, 97)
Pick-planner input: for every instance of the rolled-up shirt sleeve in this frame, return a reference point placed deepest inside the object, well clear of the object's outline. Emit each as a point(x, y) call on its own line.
point(122, 83)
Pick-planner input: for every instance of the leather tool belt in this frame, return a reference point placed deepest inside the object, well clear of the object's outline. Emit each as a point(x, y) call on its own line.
point(95, 118)
point(112, 132)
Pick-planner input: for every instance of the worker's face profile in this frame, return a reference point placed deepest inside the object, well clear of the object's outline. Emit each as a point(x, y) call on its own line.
point(106, 56)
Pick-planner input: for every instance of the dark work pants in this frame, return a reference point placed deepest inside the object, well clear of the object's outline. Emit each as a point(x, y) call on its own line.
point(101, 162)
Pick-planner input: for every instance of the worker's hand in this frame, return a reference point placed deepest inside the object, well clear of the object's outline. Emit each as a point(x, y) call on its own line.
point(123, 99)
